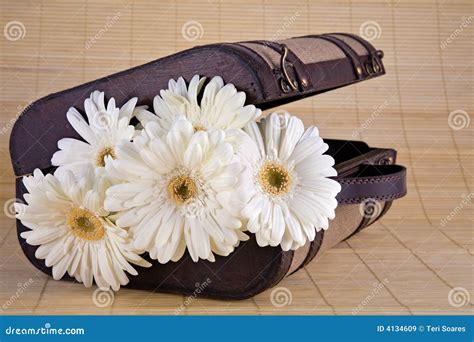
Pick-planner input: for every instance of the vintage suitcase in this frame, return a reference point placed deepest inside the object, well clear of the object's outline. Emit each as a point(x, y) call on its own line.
point(271, 74)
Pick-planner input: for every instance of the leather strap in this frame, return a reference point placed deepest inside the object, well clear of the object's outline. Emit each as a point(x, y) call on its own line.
point(263, 78)
point(369, 47)
point(349, 52)
point(387, 185)
point(302, 76)
point(375, 65)
point(377, 182)
point(314, 247)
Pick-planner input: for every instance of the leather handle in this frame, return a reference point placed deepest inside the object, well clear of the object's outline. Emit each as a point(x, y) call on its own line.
point(377, 182)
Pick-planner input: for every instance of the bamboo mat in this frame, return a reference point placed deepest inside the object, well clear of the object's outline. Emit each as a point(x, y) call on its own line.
point(417, 260)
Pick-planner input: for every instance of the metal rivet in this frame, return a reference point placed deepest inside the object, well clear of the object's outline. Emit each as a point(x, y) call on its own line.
point(369, 68)
point(285, 86)
point(386, 161)
point(359, 70)
point(376, 67)
point(304, 82)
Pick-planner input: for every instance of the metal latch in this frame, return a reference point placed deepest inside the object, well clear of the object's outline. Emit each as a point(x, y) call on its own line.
point(287, 84)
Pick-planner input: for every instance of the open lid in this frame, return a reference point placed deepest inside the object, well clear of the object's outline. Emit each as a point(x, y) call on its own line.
point(270, 73)
point(310, 65)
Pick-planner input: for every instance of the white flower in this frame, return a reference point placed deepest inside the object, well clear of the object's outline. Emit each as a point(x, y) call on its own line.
point(73, 231)
point(291, 195)
point(176, 192)
point(221, 106)
point(106, 127)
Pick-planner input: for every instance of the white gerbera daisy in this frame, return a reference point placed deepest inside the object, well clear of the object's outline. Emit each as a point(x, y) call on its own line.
point(176, 192)
point(106, 127)
point(73, 231)
point(221, 106)
point(291, 194)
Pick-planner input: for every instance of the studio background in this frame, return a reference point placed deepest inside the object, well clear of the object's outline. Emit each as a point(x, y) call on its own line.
point(417, 260)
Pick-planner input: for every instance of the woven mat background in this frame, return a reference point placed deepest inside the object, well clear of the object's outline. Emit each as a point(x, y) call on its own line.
point(417, 260)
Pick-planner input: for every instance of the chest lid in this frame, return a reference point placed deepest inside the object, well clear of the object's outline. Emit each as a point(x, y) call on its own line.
point(270, 73)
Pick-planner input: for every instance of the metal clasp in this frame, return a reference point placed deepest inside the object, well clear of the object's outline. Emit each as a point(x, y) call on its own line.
point(373, 65)
point(286, 83)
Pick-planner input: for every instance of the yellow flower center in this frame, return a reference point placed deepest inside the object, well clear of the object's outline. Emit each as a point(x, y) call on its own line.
point(199, 127)
point(85, 224)
point(274, 179)
point(106, 151)
point(182, 189)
